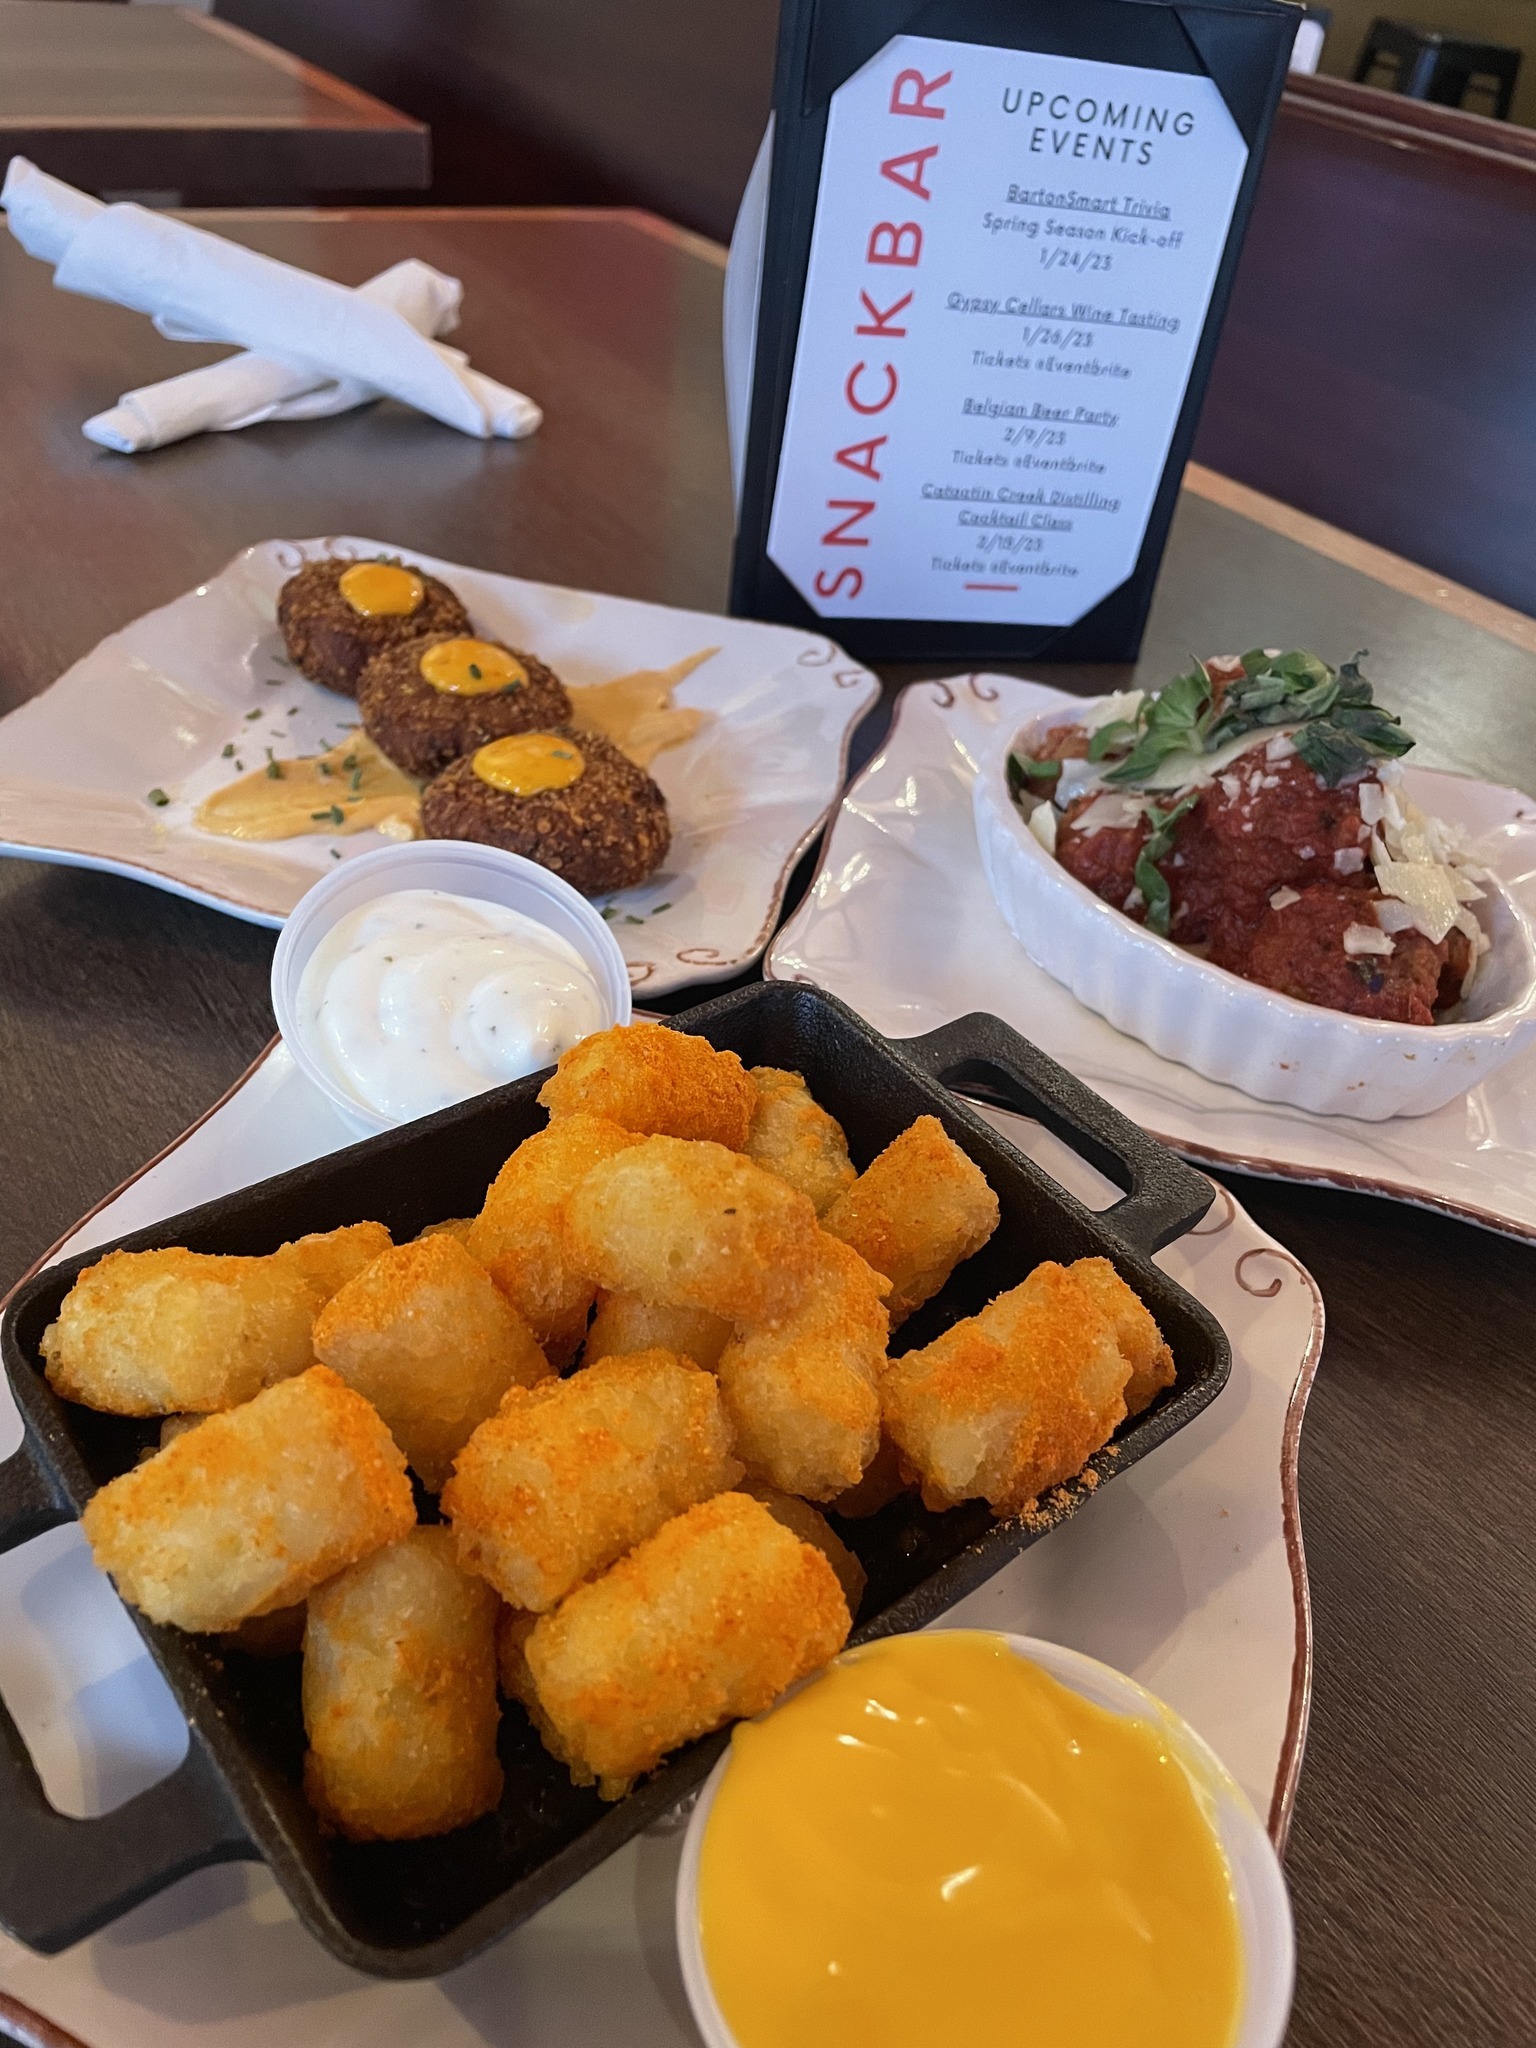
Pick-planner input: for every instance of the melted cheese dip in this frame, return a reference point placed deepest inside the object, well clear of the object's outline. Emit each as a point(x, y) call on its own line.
point(422, 998)
point(936, 1842)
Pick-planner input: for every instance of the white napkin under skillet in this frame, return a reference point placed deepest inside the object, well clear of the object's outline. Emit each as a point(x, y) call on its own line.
point(317, 348)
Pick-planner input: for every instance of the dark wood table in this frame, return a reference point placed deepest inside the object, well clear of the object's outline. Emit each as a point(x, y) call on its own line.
point(124, 1012)
point(133, 101)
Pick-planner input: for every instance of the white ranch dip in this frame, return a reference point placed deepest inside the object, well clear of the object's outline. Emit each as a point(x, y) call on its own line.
point(423, 998)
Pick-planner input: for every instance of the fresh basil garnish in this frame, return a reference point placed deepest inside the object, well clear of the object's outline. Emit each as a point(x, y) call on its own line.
point(1339, 729)
point(1022, 769)
point(1157, 845)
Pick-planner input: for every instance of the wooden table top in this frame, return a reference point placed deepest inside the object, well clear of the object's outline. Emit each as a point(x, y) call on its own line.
point(125, 1012)
point(157, 99)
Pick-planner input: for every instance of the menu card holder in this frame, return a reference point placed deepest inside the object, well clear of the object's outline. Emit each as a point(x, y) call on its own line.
point(975, 291)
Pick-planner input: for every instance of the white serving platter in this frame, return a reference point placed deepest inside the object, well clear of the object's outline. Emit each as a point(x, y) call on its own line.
point(153, 707)
point(1187, 1573)
point(901, 924)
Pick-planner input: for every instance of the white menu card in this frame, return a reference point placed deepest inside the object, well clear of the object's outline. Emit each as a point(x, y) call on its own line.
point(1011, 264)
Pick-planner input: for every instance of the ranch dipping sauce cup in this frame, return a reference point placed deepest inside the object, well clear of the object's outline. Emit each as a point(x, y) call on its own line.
point(500, 967)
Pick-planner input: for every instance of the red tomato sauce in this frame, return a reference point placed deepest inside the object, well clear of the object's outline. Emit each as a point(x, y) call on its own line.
point(1263, 828)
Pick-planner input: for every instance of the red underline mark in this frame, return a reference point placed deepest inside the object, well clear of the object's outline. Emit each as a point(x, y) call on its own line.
point(991, 586)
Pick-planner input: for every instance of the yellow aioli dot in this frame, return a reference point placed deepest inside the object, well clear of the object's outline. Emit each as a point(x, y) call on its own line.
point(382, 590)
point(471, 668)
point(529, 763)
point(936, 1842)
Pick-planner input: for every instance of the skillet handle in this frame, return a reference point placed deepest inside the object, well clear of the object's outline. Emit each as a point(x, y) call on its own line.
point(62, 1878)
point(29, 1501)
point(1163, 1197)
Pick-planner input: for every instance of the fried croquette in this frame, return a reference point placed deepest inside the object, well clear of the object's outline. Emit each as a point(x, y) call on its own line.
point(331, 639)
point(711, 1618)
point(1011, 1401)
point(915, 1213)
point(803, 1394)
point(571, 1474)
point(330, 1258)
point(607, 829)
point(624, 1323)
point(794, 1137)
point(694, 1226)
point(400, 1694)
point(657, 1082)
point(1140, 1340)
point(422, 724)
point(814, 1528)
point(520, 1235)
point(425, 1334)
point(250, 1510)
point(162, 1332)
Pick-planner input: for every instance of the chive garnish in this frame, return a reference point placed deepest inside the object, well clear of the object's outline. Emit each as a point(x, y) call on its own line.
point(158, 798)
point(228, 753)
point(253, 714)
point(334, 816)
point(274, 768)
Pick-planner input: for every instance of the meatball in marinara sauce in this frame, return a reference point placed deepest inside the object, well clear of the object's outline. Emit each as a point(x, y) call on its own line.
point(1270, 859)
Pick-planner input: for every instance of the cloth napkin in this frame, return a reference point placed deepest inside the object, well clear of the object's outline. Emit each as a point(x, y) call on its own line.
point(314, 347)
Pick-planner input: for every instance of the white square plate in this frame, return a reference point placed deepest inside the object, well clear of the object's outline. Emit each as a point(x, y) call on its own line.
point(900, 923)
point(153, 707)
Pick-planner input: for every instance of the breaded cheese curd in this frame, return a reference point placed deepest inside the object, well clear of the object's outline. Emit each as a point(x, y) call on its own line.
point(422, 998)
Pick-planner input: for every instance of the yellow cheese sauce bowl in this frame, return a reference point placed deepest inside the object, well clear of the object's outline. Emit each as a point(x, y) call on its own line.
point(963, 1835)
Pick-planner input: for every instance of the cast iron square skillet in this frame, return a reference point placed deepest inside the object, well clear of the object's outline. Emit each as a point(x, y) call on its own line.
point(412, 1909)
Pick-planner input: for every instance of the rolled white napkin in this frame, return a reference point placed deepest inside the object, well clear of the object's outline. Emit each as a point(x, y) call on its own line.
point(316, 347)
point(247, 390)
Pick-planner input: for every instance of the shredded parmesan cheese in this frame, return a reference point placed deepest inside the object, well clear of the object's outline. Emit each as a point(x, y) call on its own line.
point(1366, 938)
point(1284, 898)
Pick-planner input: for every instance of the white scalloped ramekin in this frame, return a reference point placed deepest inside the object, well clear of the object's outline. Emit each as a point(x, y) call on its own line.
point(1258, 1888)
point(1236, 1031)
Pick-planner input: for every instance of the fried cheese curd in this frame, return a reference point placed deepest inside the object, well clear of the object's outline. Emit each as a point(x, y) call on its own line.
point(571, 1474)
point(624, 1323)
point(693, 1225)
point(520, 1235)
point(813, 1527)
point(1140, 1340)
point(514, 1626)
point(250, 1510)
point(399, 1694)
point(915, 1213)
point(161, 1332)
point(426, 1335)
point(883, 1480)
point(330, 1258)
point(656, 1082)
point(794, 1137)
point(1013, 1400)
point(803, 1393)
point(709, 1619)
